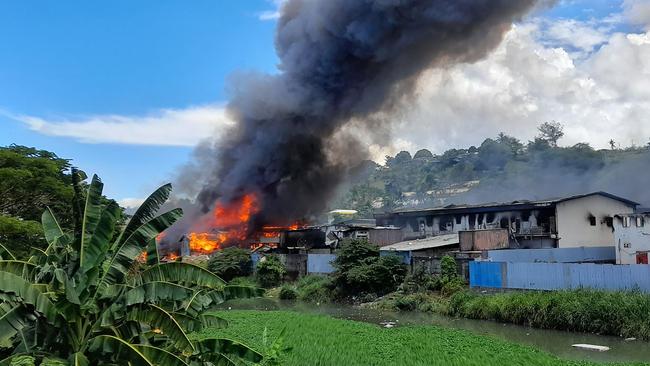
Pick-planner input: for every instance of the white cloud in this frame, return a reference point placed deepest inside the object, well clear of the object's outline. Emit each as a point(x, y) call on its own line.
point(130, 203)
point(272, 14)
point(638, 12)
point(598, 95)
point(171, 127)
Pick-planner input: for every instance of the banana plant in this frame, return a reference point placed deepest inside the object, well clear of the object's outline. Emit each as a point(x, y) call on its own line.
point(80, 302)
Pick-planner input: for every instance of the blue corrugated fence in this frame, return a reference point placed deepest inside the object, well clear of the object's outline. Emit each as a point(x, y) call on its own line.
point(559, 276)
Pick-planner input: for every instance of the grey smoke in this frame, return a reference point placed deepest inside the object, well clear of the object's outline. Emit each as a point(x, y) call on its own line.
point(340, 61)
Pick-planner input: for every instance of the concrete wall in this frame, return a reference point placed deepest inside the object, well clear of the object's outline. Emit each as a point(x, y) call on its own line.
point(560, 276)
point(631, 240)
point(574, 228)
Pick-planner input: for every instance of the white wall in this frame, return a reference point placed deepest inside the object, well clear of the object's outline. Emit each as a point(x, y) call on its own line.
point(573, 227)
point(630, 240)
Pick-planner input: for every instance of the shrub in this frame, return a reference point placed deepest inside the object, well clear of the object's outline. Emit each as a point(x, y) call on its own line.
point(360, 270)
point(314, 288)
point(231, 262)
point(624, 314)
point(288, 292)
point(452, 286)
point(448, 268)
point(270, 271)
point(418, 281)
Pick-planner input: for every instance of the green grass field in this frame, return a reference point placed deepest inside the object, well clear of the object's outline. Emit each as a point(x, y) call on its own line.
point(322, 340)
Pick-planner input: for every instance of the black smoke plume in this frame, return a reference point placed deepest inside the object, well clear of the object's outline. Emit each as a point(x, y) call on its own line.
point(340, 61)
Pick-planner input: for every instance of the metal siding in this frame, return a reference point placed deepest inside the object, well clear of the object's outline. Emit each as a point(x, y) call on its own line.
point(560, 276)
point(320, 263)
point(560, 255)
point(486, 274)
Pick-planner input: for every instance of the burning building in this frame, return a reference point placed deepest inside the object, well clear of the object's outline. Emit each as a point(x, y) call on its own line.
point(343, 64)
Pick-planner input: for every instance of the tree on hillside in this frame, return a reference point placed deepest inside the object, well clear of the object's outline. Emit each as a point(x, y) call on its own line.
point(423, 154)
point(85, 300)
point(551, 132)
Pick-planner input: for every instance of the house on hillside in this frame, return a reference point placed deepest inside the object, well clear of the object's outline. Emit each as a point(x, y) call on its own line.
point(576, 221)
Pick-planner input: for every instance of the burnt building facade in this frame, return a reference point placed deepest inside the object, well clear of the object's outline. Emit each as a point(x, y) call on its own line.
point(582, 220)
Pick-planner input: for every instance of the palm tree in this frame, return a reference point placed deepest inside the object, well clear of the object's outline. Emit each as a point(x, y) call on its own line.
point(80, 302)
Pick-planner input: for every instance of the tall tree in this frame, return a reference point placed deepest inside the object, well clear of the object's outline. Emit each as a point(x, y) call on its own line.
point(551, 132)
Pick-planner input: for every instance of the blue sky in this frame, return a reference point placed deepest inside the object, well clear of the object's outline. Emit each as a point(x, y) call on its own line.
point(73, 61)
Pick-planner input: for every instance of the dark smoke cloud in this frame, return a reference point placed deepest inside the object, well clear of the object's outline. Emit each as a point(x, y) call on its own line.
point(341, 60)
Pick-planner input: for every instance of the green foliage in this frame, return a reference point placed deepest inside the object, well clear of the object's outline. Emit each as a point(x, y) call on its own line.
point(288, 292)
point(419, 280)
point(314, 288)
point(551, 132)
point(322, 340)
point(624, 314)
point(19, 236)
point(448, 267)
point(360, 270)
point(270, 271)
point(505, 167)
point(73, 302)
point(31, 180)
point(231, 262)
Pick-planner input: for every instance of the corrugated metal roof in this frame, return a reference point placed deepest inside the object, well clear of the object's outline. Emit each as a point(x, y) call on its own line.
point(426, 243)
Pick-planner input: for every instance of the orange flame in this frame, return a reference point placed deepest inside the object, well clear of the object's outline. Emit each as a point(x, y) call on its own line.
point(230, 220)
point(142, 257)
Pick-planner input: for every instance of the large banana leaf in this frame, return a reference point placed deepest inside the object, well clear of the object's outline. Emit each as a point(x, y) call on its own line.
point(214, 350)
point(153, 256)
point(242, 292)
point(159, 356)
point(19, 268)
point(12, 319)
point(121, 351)
point(203, 300)
point(4, 252)
point(183, 273)
point(94, 250)
point(51, 228)
point(91, 216)
point(29, 294)
point(158, 318)
point(197, 323)
point(78, 359)
point(157, 291)
point(78, 176)
point(133, 246)
point(147, 211)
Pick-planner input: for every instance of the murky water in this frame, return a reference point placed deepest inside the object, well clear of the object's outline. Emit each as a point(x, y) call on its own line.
point(555, 342)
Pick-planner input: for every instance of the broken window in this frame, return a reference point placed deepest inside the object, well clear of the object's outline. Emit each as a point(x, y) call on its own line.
point(503, 223)
point(626, 221)
point(592, 220)
point(639, 221)
point(609, 221)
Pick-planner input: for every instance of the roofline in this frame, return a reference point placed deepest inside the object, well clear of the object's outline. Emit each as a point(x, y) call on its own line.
point(601, 193)
point(514, 205)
